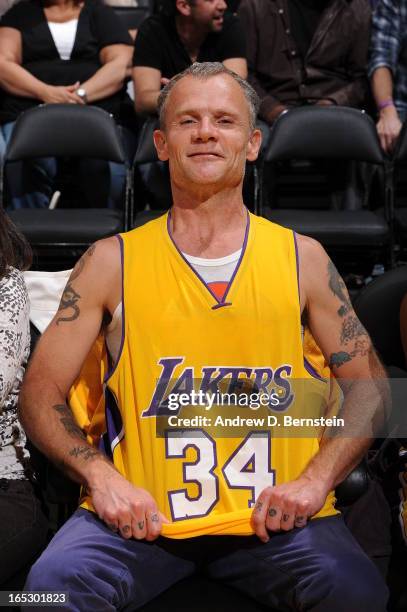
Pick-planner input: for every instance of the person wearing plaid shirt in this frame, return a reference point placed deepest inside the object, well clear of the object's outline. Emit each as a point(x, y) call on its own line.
point(388, 68)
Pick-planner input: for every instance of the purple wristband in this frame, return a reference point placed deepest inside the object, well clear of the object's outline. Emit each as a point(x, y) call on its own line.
point(385, 103)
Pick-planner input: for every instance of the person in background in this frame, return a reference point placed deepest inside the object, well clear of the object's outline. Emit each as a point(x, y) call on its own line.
point(64, 51)
point(6, 5)
point(23, 526)
point(388, 68)
point(186, 31)
point(297, 52)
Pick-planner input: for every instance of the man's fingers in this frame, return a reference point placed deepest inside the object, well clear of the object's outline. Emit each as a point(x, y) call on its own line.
point(138, 522)
point(288, 514)
point(274, 515)
point(154, 524)
point(125, 527)
point(258, 518)
point(300, 521)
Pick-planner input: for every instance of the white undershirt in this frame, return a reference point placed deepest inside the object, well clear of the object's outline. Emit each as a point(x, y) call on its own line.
point(210, 270)
point(64, 35)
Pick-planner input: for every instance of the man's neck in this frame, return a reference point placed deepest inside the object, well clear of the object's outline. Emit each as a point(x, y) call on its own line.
point(190, 35)
point(212, 228)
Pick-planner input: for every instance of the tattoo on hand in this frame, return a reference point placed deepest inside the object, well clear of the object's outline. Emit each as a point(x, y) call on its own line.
point(140, 525)
point(112, 526)
point(258, 507)
point(272, 512)
point(285, 517)
point(154, 518)
point(299, 520)
point(126, 528)
point(70, 297)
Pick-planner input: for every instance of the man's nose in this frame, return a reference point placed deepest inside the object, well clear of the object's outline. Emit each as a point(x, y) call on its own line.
point(221, 5)
point(205, 130)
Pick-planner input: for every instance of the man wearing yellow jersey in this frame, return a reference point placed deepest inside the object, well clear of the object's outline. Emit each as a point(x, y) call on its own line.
point(213, 294)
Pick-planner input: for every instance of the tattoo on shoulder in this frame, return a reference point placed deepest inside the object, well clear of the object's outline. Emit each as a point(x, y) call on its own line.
point(338, 288)
point(68, 421)
point(68, 301)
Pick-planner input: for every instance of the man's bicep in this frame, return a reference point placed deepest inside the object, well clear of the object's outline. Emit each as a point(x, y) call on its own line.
point(332, 320)
point(92, 290)
point(64, 346)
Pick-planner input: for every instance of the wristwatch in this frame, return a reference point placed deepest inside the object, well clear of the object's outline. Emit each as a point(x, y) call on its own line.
point(81, 92)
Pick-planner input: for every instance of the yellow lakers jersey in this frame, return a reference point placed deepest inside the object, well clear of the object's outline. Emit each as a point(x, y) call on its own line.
point(179, 337)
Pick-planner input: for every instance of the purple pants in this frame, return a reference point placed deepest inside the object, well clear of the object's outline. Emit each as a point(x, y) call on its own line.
point(320, 567)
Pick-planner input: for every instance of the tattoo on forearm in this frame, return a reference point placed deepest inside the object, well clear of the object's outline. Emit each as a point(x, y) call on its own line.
point(70, 297)
point(86, 452)
point(68, 421)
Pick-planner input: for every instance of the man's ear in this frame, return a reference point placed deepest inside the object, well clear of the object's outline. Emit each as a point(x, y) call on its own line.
point(160, 143)
point(254, 145)
point(183, 7)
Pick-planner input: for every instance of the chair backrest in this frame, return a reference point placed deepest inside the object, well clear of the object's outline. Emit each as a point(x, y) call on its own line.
point(146, 152)
point(400, 153)
point(65, 130)
point(313, 132)
point(378, 308)
point(133, 17)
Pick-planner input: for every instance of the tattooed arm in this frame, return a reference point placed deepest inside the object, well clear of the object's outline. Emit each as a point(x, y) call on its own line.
point(349, 351)
point(92, 292)
point(326, 306)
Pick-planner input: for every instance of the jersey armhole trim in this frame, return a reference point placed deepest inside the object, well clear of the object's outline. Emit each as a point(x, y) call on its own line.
point(113, 367)
point(310, 369)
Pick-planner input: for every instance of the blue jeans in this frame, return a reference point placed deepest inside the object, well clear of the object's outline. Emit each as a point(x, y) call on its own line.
point(319, 568)
point(30, 184)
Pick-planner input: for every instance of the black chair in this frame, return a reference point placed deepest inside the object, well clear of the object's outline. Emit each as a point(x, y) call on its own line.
point(378, 308)
point(331, 135)
point(133, 16)
point(400, 187)
point(151, 178)
point(64, 130)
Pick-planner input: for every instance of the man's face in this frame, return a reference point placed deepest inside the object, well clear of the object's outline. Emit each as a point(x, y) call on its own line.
point(208, 14)
point(207, 137)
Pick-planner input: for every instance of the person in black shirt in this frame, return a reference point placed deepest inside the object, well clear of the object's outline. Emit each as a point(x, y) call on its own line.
point(190, 31)
point(62, 51)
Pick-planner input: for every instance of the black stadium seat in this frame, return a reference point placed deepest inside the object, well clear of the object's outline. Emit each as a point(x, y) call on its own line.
point(328, 134)
point(134, 16)
point(65, 130)
point(400, 179)
point(378, 308)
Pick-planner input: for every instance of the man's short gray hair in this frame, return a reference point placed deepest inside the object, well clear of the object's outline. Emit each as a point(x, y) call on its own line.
point(203, 71)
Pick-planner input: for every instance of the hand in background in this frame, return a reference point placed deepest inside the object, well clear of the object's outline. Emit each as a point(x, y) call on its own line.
point(61, 94)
